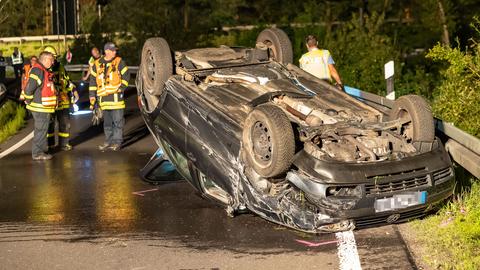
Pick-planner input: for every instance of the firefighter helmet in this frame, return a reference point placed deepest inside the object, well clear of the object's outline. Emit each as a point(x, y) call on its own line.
point(51, 50)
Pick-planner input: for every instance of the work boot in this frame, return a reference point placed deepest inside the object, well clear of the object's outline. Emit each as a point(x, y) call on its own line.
point(42, 157)
point(114, 147)
point(103, 147)
point(66, 147)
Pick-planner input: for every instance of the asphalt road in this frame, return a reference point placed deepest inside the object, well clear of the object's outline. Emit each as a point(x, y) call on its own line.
point(85, 209)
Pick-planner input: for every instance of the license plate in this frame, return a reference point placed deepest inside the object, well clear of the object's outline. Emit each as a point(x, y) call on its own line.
point(400, 201)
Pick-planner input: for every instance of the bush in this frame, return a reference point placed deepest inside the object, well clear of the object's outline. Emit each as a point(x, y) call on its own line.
point(457, 99)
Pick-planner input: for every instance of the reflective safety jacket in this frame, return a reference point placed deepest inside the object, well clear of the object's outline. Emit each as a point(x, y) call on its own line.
point(63, 85)
point(108, 82)
point(40, 94)
point(316, 63)
point(25, 77)
point(17, 59)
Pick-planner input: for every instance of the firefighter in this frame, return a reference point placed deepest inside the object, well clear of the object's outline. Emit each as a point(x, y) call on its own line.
point(26, 72)
point(319, 62)
point(66, 92)
point(95, 55)
point(108, 81)
point(17, 62)
point(41, 100)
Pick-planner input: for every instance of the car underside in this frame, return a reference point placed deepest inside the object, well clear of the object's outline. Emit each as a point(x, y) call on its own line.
point(252, 131)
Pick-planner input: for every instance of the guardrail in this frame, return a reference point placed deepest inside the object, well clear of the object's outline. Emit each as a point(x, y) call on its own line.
point(54, 37)
point(82, 68)
point(463, 147)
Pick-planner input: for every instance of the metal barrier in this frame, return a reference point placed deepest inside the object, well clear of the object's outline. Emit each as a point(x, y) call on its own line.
point(82, 68)
point(463, 147)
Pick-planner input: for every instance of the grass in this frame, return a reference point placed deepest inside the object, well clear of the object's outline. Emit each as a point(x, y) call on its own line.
point(451, 238)
point(31, 48)
point(12, 118)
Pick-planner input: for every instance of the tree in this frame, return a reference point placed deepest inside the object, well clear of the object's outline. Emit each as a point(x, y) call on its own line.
point(22, 17)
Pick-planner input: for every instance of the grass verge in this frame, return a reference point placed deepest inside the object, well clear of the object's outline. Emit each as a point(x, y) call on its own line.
point(12, 118)
point(451, 238)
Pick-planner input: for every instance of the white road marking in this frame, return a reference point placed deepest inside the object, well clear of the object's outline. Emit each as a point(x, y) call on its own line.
point(347, 251)
point(17, 145)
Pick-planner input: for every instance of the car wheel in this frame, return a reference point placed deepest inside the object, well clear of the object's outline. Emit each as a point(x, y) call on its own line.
point(420, 126)
point(157, 65)
point(278, 43)
point(268, 141)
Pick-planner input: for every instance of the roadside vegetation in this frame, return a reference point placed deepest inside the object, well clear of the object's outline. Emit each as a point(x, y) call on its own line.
point(12, 118)
point(452, 236)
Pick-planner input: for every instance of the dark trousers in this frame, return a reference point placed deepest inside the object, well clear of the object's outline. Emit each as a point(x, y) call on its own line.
point(40, 125)
point(113, 123)
point(63, 119)
point(18, 70)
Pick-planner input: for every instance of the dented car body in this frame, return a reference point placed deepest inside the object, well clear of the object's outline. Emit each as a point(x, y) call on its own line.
point(253, 133)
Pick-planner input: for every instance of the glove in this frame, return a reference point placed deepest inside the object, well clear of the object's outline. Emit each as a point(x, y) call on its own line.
point(92, 103)
point(340, 87)
point(97, 116)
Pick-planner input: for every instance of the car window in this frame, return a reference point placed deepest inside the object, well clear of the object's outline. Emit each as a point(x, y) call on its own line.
point(180, 162)
point(165, 171)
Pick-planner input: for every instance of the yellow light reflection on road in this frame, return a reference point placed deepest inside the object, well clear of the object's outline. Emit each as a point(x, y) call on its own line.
point(116, 207)
point(48, 197)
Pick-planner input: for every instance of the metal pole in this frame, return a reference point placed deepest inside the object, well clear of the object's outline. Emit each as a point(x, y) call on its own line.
point(64, 25)
point(77, 16)
point(58, 25)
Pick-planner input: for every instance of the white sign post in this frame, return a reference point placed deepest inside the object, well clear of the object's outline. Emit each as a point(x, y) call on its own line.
point(389, 72)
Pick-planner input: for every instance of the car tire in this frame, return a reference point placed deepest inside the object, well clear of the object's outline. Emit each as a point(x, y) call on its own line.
point(421, 128)
point(268, 141)
point(278, 43)
point(156, 66)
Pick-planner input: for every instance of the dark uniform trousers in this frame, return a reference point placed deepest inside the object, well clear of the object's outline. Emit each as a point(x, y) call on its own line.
point(18, 71)
point(113, 123)
point(63, 118)
point(40, 128)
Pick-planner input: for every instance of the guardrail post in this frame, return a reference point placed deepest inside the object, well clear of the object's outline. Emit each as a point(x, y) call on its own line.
point(389, 72)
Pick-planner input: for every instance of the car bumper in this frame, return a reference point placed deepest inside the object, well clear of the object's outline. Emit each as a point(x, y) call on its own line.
point(364, 185)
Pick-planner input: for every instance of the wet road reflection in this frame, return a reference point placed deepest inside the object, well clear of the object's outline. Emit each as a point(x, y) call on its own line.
point(92, 194)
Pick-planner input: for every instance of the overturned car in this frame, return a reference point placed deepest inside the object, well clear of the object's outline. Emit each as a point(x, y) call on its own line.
point(253, 132)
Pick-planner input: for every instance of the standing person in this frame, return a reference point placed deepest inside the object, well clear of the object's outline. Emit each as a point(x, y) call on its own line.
point(95, 55)
point(3, 65)
point(68, 56)
point(26, 73)
point(66, 92)
point(319, 62)
point(107, 84)
point(17, 62)
point(41, 100)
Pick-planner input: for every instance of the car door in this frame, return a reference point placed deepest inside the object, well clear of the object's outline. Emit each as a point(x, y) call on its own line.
point(170, 123)
point(212, 141)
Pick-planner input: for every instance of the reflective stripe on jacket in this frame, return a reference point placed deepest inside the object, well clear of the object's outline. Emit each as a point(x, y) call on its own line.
point(63, 85)
point(40, 92)
point(17, 59)
point(108, 77)
point(316, 63)
point(108, 82)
